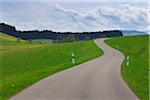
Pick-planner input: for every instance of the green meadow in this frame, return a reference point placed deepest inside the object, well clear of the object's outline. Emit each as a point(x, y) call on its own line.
point(136, 74)
point(24, 63)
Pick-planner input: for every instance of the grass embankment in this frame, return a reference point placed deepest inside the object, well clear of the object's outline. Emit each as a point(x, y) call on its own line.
point(137, 73)
point(23, 65)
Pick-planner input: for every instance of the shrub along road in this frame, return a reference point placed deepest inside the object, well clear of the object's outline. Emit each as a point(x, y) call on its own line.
point(98, 79)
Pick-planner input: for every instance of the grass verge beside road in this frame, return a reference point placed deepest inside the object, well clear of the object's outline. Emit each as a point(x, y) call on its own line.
point(23, 65)
point(136, 74)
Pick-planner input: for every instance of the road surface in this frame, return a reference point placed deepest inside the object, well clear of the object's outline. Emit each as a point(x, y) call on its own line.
point(98, 79)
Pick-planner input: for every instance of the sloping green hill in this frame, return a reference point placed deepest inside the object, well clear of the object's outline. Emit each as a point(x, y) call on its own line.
point(8, 42)
point(4, 38)
point(136, 74)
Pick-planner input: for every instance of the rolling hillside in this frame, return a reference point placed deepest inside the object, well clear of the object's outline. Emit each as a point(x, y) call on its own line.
point(4, 38)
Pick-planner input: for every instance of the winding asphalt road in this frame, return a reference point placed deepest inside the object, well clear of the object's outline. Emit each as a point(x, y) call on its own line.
point(98, 79)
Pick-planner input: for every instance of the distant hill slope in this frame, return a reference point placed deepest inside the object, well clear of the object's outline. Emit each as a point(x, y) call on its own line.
point(5, 38)
point(132, 33)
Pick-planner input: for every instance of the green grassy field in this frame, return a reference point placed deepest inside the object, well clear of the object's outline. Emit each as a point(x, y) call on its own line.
point(137, 73)
point(23, 64)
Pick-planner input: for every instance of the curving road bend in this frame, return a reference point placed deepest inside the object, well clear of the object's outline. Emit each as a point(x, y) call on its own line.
point(98, 79)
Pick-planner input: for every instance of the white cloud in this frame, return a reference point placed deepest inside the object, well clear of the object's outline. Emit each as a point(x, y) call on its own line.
point(77, 0)
point(71, 14)
point(58, 18)
point(106, 18)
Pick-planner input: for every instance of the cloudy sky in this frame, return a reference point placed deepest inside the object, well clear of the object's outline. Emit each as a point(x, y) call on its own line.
point(75, 15)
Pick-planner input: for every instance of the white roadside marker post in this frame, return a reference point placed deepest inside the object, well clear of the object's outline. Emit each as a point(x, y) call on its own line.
point(127, 64)
point(73, 58)
point(128, 57)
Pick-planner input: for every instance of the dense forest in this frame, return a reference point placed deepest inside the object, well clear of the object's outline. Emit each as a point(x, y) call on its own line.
point(57, 36)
